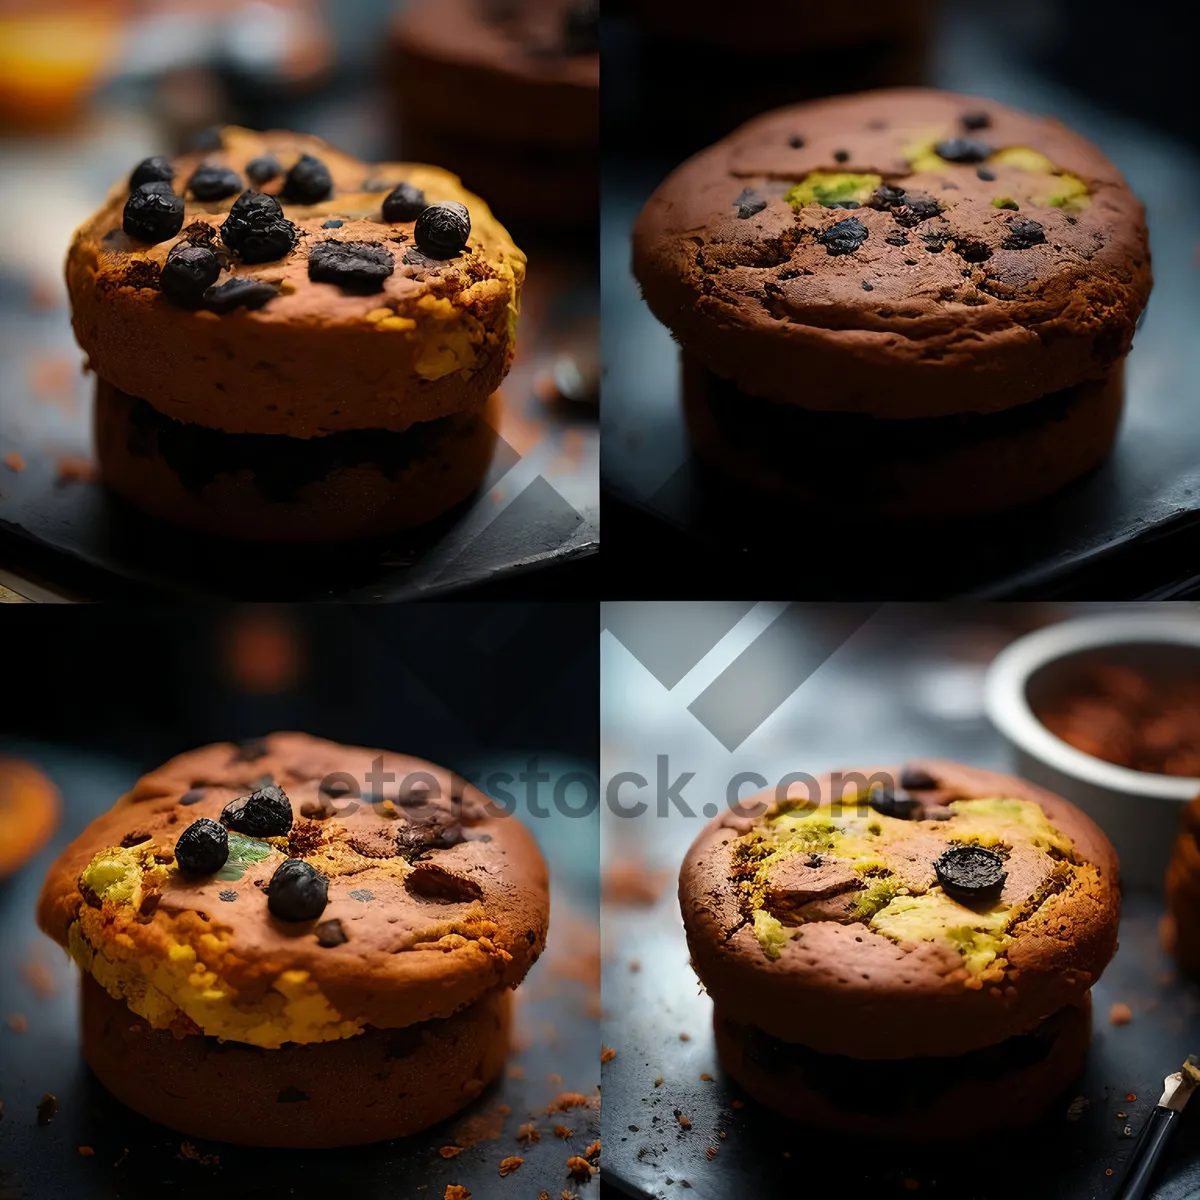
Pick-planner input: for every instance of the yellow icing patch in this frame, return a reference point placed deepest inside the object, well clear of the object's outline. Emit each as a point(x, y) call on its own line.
point(1023, 158)
point(933, 917)
point(978, 820)
point(772, 934)
point(821, 187)
point(1070, 193)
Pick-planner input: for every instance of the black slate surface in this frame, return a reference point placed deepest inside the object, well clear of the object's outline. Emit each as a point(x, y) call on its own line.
point(1130, 529)
point(135, 1158)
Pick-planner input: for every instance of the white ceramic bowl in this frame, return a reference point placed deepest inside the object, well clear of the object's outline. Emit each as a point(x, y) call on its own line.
point(1139, 811)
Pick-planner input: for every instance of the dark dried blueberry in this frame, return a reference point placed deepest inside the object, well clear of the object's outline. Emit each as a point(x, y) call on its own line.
point(330, 934)
point(581, 29)
point(894, 802)
point(935, 242)
point(971, 874)
point(202, 848)
point(748, 203)
point(151, 170)
point(985, 174)
point(888, 196)
point(192, 796)
point(844, 237)
point(263, 169)
point(972, 250)
point(266, 812)
point(841, 156)
point(153, 213)
point(214, 183)
point(297, 891)
point(358, 267)
point(331, 224)
point(188, 271)
point(1023, 233)
point(404, 203)
point(796, 142)
point(257, 229)
point(239, 293)
point(896, 239)
point(916, 779)
point(442, 229)
point(228, 895)
point(962, 150)
point(976, 120)
point(867, 287)
point(918, 209)
point(207, 139)
point(308, 182)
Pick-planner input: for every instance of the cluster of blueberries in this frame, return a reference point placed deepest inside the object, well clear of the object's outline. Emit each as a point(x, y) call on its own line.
point(297, 891)
point(257, 231)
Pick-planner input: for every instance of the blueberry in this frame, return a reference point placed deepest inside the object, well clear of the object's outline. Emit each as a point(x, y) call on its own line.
point(844, 237)
point(239, 293)
point(442, 229)
point(916, 779)
point(358, 267)
point(581, 28)
point(796, 142)
point(214, 183)
point(263, 169)
point(308, 182)
point(894, 802)
point(976, 120)
point(984, 174)
point(971, 874)
point(202, 848)
point(188, 271)
point(748, 203)
point(962, 150)
point(1023, 233)
point(151, 170)
point(266, 812)
point(153, 213)
point(841, 156)
point(404, 203)
point(257, 229)
point(332, 225)
point(297, 891)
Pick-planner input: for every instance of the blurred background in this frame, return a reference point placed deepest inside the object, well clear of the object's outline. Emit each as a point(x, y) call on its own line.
point(90, 87)
point(697, 693)
point(679, 75)
point(114, 692)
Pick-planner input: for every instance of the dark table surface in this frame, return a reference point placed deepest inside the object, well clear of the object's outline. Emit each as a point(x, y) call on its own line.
point(1132, 529)
point(557, 1028)
point(912, 679)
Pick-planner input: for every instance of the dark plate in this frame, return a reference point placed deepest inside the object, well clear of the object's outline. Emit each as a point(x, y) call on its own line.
point(136, 1158)
point(1128, 530)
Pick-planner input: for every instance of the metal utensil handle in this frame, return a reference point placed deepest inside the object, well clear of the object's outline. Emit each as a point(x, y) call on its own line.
point(1136, 1185)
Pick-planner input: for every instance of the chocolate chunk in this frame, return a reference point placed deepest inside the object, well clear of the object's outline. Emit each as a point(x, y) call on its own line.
point(193, 795)
point(239, 293)
point(257, 229)
point(748, 203)
point(442, 229)
point(976, 120)
point(297, 891)
point(796, 142)
point(263, 169)
point(356, 267)
point(330, 934)
point(435, 829)
point(428, 881)
point(916, 779)
point(404, 202)
point(134, 839)
point(895, 802)
point(888, 196)
point(867, 287)
point(153, 213)
point(581, 28)
point(896, 239)
point(202, 848)
point(1023, 233)
point(188, 273)
point(266, 812)
point(843, 238)
point(308, 182)
point(151, 170)
point(214, 183)
point(841, 156)
point(962, 150)
point(985, 174)
point(935, 241)
point(972, 875)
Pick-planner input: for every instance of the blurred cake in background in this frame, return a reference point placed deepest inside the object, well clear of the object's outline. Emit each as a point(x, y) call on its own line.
point(506, 94)
point(29, 808)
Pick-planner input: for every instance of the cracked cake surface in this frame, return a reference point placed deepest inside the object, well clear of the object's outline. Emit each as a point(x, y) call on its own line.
point(927, 929)
point(908, 253)
point(432, 902)
point(276, 285)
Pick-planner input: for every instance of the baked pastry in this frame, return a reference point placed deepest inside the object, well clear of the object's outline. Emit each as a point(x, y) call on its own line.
point(278, 288)
point(1181, 922)
point(905, 944)
point(507, 94)
point(325, 936)
point(29, 810)
point(908, 257)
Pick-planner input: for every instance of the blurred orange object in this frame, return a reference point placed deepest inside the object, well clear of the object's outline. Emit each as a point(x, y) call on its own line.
point(51, 58)
point(29, 808)
point(262, 651)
